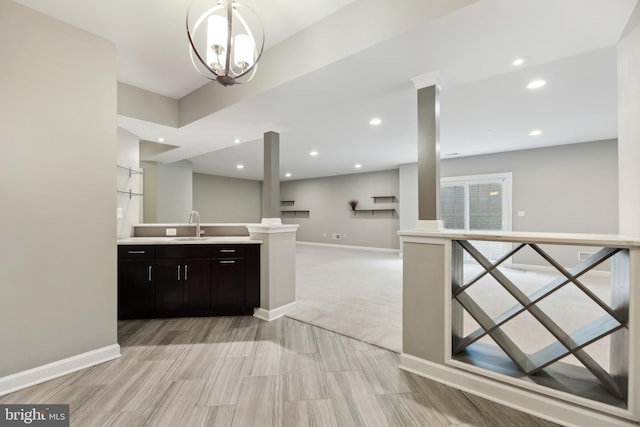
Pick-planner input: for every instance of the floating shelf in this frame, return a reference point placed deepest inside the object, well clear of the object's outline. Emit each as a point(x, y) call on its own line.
point(384, 199)
point(129, 193)
point(295, 213)
point(374, 211)
point(130, 170)
point(287, 202)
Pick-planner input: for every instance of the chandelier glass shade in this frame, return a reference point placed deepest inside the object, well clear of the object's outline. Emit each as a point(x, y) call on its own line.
point(226, 40)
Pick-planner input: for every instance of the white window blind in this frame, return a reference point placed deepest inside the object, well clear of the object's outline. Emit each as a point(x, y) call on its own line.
point(481, 203)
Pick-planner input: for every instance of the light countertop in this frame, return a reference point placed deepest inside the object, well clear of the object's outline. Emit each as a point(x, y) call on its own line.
point(206, 240)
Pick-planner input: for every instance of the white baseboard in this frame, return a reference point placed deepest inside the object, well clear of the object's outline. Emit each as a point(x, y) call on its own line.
point(40, 374)
point(362, 248)
point(541, 406)
point(274, 314)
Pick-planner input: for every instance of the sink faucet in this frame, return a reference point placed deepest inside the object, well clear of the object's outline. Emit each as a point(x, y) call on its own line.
point(195, 215)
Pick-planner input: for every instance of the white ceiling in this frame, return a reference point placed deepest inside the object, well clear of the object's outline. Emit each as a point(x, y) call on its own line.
point(484, 104)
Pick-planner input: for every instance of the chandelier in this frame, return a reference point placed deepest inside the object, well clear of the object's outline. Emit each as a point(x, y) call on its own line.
point(226, 40)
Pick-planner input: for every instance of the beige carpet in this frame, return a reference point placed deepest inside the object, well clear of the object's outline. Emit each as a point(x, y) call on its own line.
point(358, 293)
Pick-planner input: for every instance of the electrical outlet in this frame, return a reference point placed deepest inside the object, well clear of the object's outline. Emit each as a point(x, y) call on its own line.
point(170, 232)
point(119, 214)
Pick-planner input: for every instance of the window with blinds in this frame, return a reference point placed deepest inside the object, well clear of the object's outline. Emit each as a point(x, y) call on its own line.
point(481, 203)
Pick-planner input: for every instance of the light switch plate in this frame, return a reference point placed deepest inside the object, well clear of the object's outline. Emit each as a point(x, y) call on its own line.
point(119, 213)
point(521, 213)
point(170, 231)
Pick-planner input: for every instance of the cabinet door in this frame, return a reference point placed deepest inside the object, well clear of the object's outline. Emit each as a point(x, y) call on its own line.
point(197, 287)
point(135, 288)
point(169, 295)
point(227, 283)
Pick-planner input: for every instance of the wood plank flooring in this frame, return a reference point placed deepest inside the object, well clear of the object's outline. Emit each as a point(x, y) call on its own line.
point(242, 372)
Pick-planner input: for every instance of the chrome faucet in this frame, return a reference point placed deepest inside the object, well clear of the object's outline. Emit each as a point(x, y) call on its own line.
point(195, 215)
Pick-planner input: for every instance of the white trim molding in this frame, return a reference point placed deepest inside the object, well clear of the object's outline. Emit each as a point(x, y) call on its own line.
point(434, 78)
point(40, 374)
point(272, 228)
point(533, 403)
point(276, 313)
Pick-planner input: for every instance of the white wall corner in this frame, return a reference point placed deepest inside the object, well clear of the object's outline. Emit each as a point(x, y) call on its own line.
point(433, 78)
point(276, 313)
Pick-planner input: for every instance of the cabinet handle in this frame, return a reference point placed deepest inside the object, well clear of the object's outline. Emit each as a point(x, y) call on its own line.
point(178, 272)
point(186, 272)
point(227, 262)
point(150, 273)
point(228, 251)
point(137, 252)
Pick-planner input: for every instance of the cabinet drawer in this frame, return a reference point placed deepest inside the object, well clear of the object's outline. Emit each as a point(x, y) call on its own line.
point(228, 251)
point(136, 252)
point(183, 251)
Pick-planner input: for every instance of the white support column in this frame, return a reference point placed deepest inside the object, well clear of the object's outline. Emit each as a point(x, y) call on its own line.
point(277, 268)
point(278, 249)
point(271, 178)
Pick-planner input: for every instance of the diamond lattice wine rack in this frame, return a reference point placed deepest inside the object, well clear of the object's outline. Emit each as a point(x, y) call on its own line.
point(560, 333)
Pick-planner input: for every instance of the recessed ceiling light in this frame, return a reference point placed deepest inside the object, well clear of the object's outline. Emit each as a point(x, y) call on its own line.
point(288, 175)
point(160, 139)
point(358, 166)
point(313, 153)
point(536, 84)
point(240, 166)
point(237, 140)
point(535, 132)
point(375, 121)
point(518, 62)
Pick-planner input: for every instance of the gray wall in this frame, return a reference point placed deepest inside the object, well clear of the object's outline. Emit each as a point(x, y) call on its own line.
point(175, 191)
point(326, 199)
point(629, 125)
point(150, 191)
point(569, 189)
point(57, 184)
point(408, 196)
point(223, 199)
point(168, 191)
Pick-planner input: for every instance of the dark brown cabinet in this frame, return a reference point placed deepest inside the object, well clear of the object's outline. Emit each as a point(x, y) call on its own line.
point(183, 280)
point(188, 280)
point(136, 270)
point(227, 283)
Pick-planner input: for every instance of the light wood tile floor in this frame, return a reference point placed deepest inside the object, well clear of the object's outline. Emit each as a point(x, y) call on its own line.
point(241, 372)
